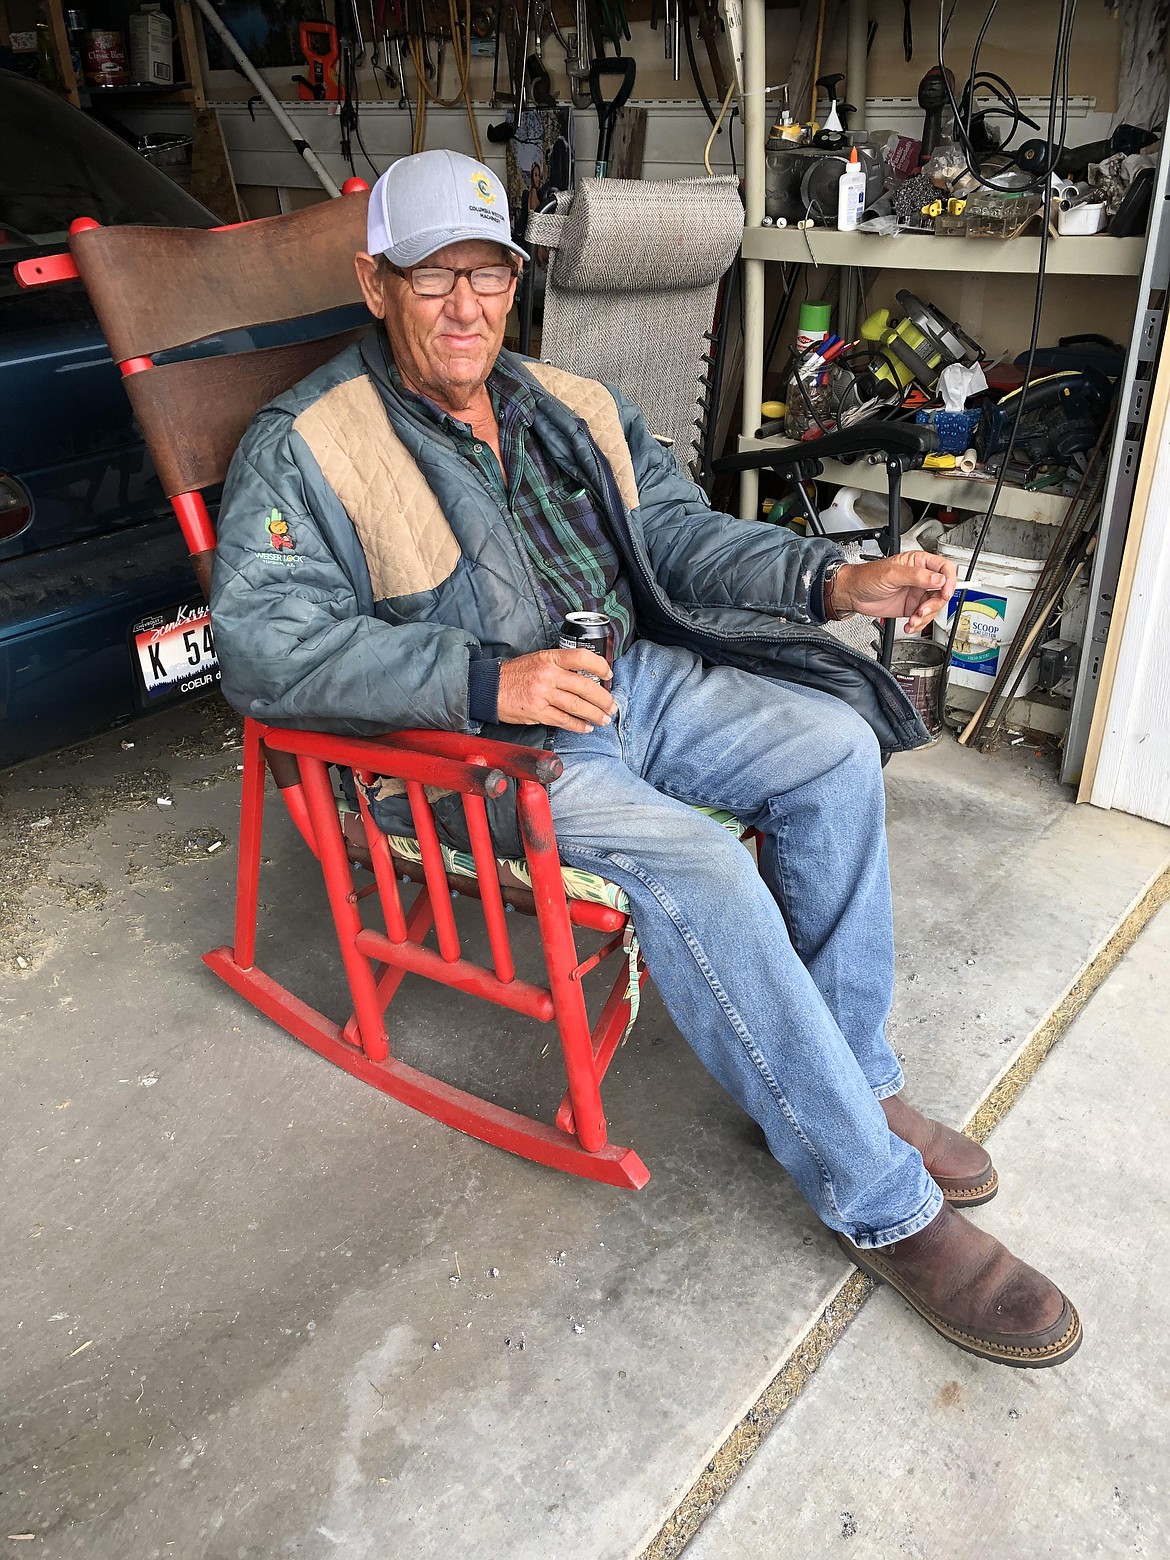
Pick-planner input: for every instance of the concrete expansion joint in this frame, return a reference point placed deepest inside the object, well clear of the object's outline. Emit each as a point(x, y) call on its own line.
point(723, 1466)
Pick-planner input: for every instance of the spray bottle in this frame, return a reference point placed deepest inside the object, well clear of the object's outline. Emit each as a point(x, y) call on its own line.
point(850, 194)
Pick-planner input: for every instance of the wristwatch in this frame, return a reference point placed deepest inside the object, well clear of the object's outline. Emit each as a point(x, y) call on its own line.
point(828, 579)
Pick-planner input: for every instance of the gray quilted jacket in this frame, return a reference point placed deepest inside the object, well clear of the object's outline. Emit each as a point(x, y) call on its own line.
point(362, 564)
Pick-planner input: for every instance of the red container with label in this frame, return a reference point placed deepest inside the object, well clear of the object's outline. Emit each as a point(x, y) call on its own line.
point(105, 59)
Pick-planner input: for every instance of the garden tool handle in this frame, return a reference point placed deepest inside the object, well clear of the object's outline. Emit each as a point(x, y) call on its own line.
point(626, 68)
point(607, 110)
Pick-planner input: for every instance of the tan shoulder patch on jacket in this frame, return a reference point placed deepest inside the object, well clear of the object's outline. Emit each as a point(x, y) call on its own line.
point(594, 404)
point(408, 543)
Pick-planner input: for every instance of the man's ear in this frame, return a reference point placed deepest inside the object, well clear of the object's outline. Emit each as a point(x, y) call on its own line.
point(369, 275)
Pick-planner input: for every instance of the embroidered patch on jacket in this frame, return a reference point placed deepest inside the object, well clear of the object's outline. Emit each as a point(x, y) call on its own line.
point(281, 542)
point(280, 537)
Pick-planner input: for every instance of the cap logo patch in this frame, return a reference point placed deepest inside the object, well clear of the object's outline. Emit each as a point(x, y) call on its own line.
point(482, 186)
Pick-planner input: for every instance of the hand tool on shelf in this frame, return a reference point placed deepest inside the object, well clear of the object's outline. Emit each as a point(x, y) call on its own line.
point(321, 51)
point(380, 48)
point(670, 15)
point(540, 82)
point(577, 60)
point(609, 108)
point(517, 53)
point(934, 95)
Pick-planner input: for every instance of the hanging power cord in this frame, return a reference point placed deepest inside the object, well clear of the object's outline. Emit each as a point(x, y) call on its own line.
point(1053, 148)
point(715, 130)
point(963, 107)
point(692, 61)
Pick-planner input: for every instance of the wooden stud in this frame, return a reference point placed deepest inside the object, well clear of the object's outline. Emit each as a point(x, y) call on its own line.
point(189, 53)
point(65, 69)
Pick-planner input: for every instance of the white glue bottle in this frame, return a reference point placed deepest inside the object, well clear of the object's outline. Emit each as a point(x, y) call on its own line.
point(850, 194)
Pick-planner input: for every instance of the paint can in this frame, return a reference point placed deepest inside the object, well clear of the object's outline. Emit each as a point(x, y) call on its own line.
point(994, 600)
point(917, 666)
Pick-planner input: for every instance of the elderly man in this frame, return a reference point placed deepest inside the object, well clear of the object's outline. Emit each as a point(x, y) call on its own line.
point(401, 537)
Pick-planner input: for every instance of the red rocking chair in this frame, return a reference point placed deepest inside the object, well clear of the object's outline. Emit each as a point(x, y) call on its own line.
point(156, 290)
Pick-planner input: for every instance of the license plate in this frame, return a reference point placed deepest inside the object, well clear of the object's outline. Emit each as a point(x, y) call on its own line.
point(174, 652)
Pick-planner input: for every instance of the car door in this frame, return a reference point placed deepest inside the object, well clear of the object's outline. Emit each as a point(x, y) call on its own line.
point(89, 550)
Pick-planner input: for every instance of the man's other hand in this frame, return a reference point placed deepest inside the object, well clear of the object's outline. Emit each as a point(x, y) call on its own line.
point(547, 689)
point(913, 585)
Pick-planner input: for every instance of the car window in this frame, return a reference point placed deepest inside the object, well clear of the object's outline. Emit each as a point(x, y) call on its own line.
point(59, 164)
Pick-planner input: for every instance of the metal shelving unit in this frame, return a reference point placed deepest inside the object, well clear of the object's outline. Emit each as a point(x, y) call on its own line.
point(934, 487)
point(1147, 258)
point(1097, 256)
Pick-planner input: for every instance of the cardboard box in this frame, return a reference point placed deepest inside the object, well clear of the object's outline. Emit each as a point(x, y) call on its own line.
point(151, 47)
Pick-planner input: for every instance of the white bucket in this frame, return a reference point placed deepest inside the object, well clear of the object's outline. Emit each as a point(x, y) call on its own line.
point(996, 597)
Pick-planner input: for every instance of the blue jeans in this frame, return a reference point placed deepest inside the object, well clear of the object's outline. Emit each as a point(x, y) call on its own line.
point(780, 978)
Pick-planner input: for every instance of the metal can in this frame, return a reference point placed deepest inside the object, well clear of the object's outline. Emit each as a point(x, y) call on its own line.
point(104, 58)
point(588, 631)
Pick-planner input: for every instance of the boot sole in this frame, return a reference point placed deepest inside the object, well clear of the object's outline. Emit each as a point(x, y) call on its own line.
point(1036, 1358)
point(973, 1196)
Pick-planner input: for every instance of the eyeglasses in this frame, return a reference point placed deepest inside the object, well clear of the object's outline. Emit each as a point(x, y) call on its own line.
point(436, 281)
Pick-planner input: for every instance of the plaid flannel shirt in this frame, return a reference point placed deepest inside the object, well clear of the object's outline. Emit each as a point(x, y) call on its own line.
point(561, 527)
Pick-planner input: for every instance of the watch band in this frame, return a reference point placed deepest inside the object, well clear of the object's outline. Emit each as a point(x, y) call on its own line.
point(828, 581)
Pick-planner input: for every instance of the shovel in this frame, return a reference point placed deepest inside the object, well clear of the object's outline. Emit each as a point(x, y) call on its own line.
point(608, 109)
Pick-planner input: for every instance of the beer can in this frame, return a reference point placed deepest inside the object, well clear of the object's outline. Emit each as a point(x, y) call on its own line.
point(588, 631)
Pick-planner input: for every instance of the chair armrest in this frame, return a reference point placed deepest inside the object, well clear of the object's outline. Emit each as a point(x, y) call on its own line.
point(446, 759)
point(887, 438)
point(511, 758)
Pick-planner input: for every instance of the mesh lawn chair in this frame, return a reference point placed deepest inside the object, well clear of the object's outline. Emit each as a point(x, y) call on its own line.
point(633, 282)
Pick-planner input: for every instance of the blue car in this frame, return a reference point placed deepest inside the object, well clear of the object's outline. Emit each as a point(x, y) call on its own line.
point(100, 616)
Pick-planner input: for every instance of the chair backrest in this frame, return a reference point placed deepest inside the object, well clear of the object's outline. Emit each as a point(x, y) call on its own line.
point(158, 289)
point(632, 285)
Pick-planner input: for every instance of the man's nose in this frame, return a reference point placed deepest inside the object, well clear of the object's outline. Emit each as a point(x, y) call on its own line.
point(462, 303)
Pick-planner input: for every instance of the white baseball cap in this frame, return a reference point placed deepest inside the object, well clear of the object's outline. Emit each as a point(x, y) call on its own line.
point(424, 202)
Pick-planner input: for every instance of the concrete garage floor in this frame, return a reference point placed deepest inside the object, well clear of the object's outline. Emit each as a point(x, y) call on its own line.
point(907, 1447)
point(229, 1264)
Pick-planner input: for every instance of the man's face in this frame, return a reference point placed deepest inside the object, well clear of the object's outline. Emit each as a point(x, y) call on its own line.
point(445, 347)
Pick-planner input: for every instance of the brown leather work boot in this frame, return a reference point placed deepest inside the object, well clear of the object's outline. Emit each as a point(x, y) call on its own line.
point(960, 1167)
point(975, 1293)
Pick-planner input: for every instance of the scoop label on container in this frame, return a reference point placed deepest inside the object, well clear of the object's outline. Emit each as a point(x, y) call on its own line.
point(980, 632)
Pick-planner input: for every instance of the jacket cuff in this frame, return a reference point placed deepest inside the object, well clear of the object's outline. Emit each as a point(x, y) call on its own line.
point(816, 595)
point(483, 691)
